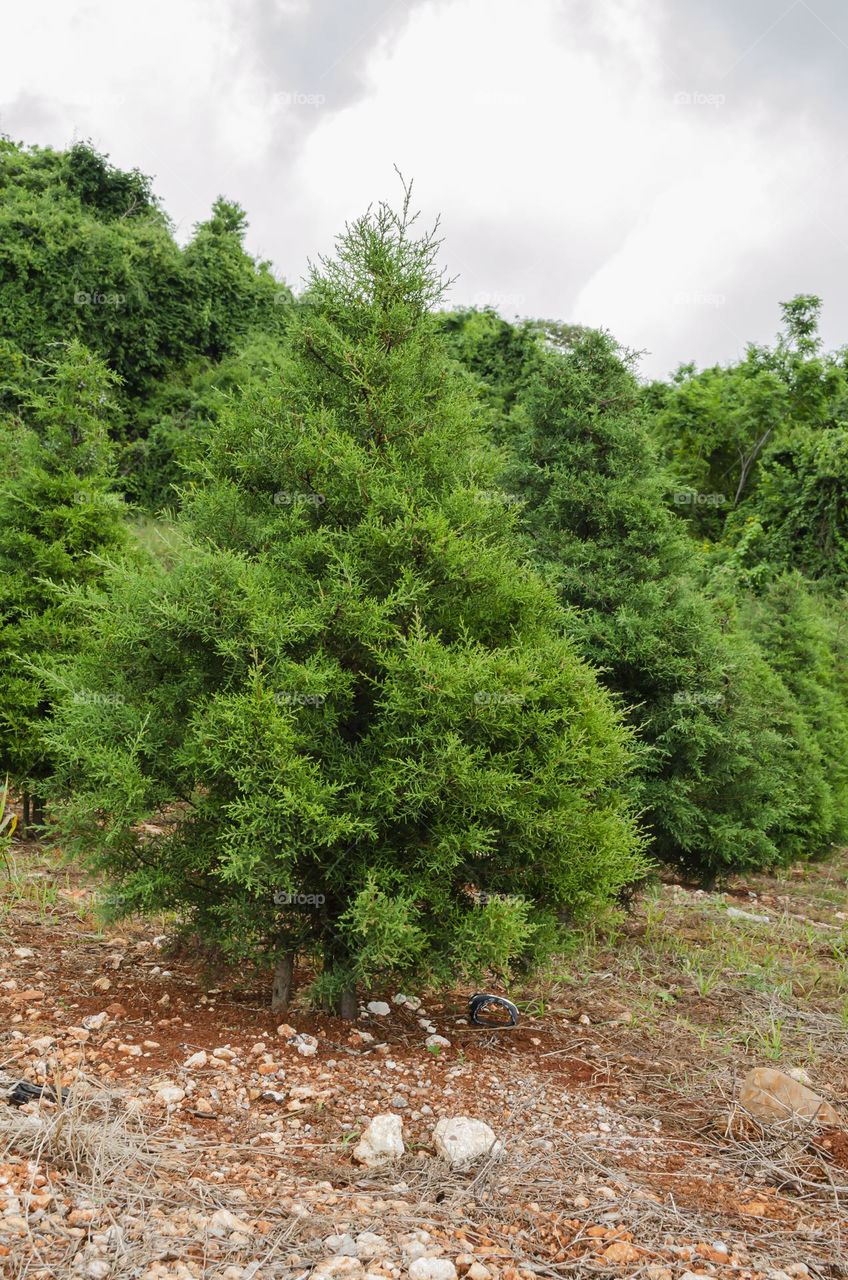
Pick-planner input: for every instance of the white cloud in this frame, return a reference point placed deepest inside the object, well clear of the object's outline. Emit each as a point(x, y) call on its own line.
point(570, 182)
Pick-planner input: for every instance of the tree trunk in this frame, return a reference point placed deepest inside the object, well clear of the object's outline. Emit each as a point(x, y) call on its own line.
point(281, 990)
point(37, 805)
point(337, 960)
point(25, 818)
point(346, 1005)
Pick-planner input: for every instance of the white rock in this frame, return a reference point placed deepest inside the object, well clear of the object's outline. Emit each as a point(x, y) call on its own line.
point(437, 1042)
point(23, 953)
point(799, 1074)
point(169, 1095)
point(432, 1269)
point(409, 1002)
point(222, 1223)
point(381, 1142)
point(414, 1249)
point(340, 1268)
point(196, 1060)
point(379, 1008)
point(98, 1269)
point(226, 1054)
point(369, 1245)
point(736, 913)
point(460, 1140)
point(95, 1021)
point(342, 1245)
point(305, 1044)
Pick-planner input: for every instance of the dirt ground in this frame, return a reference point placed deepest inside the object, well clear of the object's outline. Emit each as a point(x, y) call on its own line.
point(623, 1151)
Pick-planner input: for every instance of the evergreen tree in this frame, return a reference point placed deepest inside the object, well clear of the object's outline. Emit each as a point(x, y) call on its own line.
point(724, 780)
point(58, 515)
point(349, 702)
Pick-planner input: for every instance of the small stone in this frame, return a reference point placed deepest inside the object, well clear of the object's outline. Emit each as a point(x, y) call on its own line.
point(478, 1272)
point(437, 1042)
point(409, 1002)
point(222, 1223)
point(620, 1252)
point(98, 1269)
point(432, 1269)
point(101, 984)
point(369, 1245)
point(398, 1101)
point(342, 1246)
point(736, 913)
point(305, 1045)
point(196, 1060)
point(379, 1008)
point(286, 1031)
point(338, 1268)
point(95, 1021)
point(168, 1096)
point(460, 1140)
point(23, 953)
point(381, 1142)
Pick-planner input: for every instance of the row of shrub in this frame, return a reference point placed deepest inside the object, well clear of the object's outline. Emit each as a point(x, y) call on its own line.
point(400, 638)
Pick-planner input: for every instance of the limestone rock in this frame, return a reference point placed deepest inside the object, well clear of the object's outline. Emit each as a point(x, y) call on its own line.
point(461, 1140)
point(381, 1142)
point(432, 1269)
point(773, 1096)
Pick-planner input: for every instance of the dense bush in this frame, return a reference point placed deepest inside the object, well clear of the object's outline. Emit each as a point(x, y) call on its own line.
point(86, 252)
point(346, 696)
point(727, 769)
point(58, 516)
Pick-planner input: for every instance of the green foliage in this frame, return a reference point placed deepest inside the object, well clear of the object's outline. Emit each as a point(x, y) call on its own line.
point(178, 416)
point(85, 252)
point(805, 637)
point(346, 696)
point(58, 514)
point(765, 440)
point(718, 727)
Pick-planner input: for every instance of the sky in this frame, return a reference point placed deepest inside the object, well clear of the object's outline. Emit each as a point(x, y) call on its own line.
point(669, 170)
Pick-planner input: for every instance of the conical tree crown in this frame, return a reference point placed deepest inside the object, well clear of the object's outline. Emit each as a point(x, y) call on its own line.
point(344, 684)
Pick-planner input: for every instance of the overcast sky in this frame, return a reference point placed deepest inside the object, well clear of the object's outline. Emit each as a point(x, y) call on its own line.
point(667, 169)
